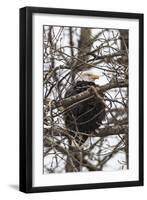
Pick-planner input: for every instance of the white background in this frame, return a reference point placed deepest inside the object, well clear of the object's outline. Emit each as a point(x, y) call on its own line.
point(9, 112)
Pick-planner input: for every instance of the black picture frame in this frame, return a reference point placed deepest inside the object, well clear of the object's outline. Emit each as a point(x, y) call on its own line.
point(26, 74)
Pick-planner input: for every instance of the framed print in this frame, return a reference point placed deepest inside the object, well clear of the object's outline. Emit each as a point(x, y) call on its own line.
point(81, 99)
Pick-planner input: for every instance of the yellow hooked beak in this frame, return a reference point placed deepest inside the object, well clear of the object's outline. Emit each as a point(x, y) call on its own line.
point(92, 77)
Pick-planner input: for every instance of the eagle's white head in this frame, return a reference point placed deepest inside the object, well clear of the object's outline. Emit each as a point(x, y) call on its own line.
point(87, 76)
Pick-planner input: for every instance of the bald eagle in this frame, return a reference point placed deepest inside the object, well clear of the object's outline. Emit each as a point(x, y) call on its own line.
point(86, 116)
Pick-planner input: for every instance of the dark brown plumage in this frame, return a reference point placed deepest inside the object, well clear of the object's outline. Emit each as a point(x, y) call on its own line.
point(86, 116)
